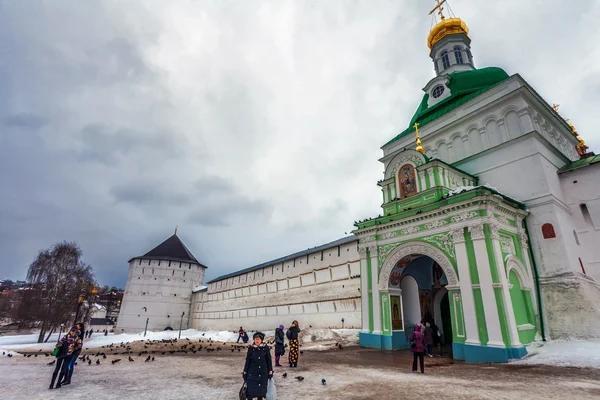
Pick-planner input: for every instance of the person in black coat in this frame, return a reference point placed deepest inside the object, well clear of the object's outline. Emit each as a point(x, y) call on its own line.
point(279, 346)
point(258, 369)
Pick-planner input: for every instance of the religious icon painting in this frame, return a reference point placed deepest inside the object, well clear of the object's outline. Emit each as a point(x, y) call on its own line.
point(396, 313)
point(407, 181)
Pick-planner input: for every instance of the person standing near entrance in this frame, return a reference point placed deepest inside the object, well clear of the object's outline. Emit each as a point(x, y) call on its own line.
point(429, 339)
point(292, 335)
point(240, 334)
point(258, 368)
point(417, 346)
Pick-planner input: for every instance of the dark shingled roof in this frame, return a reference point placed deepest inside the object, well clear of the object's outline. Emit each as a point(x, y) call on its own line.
point(171, 249)
point(339, 242)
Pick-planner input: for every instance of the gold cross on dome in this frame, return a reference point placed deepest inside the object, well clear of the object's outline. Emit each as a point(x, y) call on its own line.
point(439, 9)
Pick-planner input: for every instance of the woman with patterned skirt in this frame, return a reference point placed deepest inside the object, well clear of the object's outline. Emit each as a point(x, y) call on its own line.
point(292, 335)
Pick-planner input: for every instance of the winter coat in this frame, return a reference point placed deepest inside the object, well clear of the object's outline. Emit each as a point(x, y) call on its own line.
point(292, 333)
point(428, 336)
point(279, 338)
point(257, 368)
point(419, 339)
point(70, 343)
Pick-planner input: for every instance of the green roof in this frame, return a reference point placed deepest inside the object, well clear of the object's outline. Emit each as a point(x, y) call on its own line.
point(464, 86)
point(583, 162)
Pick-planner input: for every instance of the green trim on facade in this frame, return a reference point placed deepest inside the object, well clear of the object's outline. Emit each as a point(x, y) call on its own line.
point(456, 313)
point(370, 296)
point(386, 313)
point(471, 257)
point(490, 253)
point(480, 314)
point(502, 316)
point(523, 309)
point(436, 176)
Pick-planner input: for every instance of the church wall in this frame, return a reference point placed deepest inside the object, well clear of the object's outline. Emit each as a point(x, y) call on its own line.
point(318, 289)
point(164, 288)
point(581, 188)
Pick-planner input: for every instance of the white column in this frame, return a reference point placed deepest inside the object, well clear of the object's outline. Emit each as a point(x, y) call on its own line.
point(490, 307)
point(466, 291)
point(501, 270)
point(364, 291)
point(375, 289)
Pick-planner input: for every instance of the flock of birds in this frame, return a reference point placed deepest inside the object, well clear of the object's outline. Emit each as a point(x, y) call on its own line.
point(170, 346)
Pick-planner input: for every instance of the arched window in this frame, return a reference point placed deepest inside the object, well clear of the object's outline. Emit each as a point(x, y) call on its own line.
point(548, 231)
point(445, 59)
point(458, 55)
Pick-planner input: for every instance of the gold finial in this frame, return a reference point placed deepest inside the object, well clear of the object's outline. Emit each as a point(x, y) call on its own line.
point(555, 106)
point(419, 148)
point(581, 147)
point(176, 227)
point(439, 9)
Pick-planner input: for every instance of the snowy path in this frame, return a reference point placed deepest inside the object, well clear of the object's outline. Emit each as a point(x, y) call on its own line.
point(351, 375)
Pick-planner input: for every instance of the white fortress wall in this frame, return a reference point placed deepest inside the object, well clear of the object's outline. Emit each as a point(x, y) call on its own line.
point(319, 287)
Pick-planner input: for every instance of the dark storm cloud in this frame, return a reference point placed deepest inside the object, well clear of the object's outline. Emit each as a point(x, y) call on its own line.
point(255, 126)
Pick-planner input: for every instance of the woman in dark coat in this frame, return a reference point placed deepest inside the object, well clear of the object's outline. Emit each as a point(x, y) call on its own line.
point(279, 346)
point(292, 335)
point(258, 369)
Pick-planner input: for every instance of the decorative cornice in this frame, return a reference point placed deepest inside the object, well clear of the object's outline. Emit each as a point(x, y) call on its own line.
point(494, 231)
point(458, 235)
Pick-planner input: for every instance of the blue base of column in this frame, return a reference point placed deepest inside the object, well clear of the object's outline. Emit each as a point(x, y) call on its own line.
point(458, 351)
point(518, 352)
point(370, 340)
point(396, 341)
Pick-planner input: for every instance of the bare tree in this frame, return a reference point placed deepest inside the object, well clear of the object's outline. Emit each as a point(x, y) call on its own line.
point(61, 282)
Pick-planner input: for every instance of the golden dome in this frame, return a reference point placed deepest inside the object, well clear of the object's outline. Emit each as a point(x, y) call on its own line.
point(447, 26)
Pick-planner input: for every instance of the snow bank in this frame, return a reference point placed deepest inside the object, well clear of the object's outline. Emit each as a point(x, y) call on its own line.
point(461, 189)
point(326, 339)
point(570, 353)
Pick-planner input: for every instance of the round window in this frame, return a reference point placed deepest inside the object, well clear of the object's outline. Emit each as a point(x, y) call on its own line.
point(437, 91)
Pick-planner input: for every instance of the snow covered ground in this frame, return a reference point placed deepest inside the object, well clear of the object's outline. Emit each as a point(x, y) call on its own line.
point(573, 353)
point(351, 374)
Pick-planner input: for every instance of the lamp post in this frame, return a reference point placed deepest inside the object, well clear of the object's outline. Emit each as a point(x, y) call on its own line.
point(146, 328)
point(180, 323)
point(60, 332)
point(79, 303)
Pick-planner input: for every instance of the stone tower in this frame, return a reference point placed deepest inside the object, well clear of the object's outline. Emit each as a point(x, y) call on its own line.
point(159, 288)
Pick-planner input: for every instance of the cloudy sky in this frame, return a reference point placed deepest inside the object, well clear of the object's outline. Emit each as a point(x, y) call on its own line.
point(253, 125)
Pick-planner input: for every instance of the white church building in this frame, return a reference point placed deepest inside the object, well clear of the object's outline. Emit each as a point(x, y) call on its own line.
point(489, 228)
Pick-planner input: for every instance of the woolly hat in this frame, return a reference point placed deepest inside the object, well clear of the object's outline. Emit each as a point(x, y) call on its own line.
point(258, 335)
point(280, 326)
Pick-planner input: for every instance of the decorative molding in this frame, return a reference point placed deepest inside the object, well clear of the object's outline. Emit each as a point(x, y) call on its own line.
point(367, 239)
point(409, 230)
point(416, 248)
point(373, 250)
point(407, 158)
point(362, 251)
point(442, 241)
point(494, 232)
point(458, 235)
point(523, 240)
point(464, 216)
point(513, 263)
point(388, 235)
point(436, 224)
point(477, 232)
point(385, 250)
point(507, 244)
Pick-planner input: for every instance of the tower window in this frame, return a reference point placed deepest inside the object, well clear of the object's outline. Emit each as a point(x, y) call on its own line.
point(469, 56)
point(458, 55)
point(586, 215)
point(445, 59)
point(437, 91)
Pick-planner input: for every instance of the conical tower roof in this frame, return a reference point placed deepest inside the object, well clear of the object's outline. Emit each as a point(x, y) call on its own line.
point(171, 249)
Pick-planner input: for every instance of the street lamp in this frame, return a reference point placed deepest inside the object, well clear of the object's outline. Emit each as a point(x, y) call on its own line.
point(146, 328)
point(180, 323)
point(60, 332)
point(79, 303)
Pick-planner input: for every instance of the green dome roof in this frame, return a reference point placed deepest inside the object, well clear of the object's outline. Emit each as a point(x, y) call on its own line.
point(463, 86)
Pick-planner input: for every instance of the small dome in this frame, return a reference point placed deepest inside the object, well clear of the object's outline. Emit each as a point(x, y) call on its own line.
point(448, 26)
